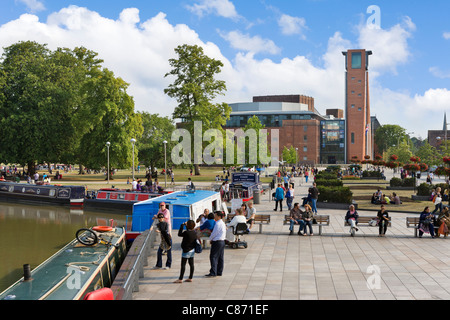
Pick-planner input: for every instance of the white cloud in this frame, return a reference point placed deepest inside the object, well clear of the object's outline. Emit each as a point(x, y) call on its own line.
point(138, 51)
point(446, 35)
point(292, 25)
point(223, 8)
point(32, 5)
point(437, 72)
point(390, 47)
point(254, 44)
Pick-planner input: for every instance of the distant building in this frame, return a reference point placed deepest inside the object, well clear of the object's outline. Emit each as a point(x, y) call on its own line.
point(317, 138)
point(357, 105)
point(436, 138)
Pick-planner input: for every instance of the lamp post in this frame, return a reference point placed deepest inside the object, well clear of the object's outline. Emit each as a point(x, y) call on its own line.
point(133, 141)
point(165, 165)
point(107, 171)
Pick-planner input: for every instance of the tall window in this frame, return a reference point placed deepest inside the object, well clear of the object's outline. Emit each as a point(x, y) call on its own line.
point(353, 138)
point(356, 60)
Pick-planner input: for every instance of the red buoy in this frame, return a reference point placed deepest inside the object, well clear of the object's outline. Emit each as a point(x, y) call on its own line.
point(102, 229)
point(101, 294)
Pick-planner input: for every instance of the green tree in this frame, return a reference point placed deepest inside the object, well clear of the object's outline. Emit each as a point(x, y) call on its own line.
point(113, 120)
point(289, 155)
point(195, 88)
point(390, 135)
point(402, 151)
point(39, 101)
point(61, 106)
point(428, 154)
point(157, 129)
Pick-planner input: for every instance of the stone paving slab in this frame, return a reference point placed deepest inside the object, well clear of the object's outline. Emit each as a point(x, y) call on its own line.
point(334, 266)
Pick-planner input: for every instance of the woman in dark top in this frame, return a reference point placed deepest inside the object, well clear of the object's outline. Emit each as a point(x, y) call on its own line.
point(383, 221)
point(188, 245)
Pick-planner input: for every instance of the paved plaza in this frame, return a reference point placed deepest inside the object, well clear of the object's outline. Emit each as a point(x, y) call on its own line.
point(334, 266)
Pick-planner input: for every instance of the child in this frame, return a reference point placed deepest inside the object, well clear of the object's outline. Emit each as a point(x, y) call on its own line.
point(188, 245)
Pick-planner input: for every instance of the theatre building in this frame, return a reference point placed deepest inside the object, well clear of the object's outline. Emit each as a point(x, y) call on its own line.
point(317, 138)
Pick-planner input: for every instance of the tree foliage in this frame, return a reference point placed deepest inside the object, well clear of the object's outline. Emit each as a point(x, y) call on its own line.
point(195, 89)
point(390, 135)
point(62, 106)
point(157, 129)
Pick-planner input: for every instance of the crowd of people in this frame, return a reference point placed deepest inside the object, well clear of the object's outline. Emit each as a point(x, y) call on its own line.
point(208, 224)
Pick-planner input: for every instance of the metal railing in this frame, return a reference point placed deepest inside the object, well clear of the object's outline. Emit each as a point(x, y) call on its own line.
point(132, 269)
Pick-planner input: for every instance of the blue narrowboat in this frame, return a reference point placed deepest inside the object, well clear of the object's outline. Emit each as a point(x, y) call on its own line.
point(183, 206)
point(55, 194)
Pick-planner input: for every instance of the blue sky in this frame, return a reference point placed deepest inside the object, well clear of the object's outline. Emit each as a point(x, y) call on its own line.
point(268, 47)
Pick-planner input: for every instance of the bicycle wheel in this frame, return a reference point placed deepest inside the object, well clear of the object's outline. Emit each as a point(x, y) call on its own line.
point(87, 237)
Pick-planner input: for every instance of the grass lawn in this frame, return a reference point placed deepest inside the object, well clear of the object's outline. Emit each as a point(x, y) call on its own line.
point(98, 181)
point(363, 190)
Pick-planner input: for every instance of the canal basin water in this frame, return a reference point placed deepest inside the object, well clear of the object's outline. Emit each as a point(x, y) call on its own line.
point(30, 234)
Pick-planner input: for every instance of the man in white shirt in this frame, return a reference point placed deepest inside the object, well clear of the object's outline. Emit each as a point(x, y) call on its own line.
point(217, 238)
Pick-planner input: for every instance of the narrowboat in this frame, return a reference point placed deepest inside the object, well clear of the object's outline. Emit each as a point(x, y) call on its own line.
point(117, 199)
point(183, 206)
point(53, 194)
point(87, 264)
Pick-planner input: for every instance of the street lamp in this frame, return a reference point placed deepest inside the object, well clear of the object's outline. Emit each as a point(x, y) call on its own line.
point(133, 141)
point(107, 172)
point(165, 164)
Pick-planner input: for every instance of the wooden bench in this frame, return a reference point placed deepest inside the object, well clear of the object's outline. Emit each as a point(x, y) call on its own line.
point(413, 222)
point(260, 219)
point(322, 221)
point(364, 222)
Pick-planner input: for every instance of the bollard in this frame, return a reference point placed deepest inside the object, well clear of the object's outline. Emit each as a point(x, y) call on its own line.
point(27, 272)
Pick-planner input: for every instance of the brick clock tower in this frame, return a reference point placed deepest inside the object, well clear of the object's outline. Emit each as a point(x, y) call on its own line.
point(357, 105)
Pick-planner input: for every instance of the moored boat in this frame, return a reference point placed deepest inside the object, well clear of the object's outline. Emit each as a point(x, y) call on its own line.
point(83, 266)
point(54, 194)
point(118, 199)
point(183, 206)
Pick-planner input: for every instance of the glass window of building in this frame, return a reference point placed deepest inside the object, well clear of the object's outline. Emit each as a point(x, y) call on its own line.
point(356, 60)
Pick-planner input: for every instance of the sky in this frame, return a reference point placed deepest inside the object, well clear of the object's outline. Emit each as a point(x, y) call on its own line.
point(267, 47)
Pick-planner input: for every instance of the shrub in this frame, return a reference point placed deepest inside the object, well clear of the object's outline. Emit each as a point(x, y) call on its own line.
point(326, 175)
point(424, 189)
point(329, 182)
point(371, 174)
point(335, 194)
point(396, 182)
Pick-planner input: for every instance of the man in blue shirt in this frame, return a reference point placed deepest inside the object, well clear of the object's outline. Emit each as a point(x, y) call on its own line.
point(217, 238)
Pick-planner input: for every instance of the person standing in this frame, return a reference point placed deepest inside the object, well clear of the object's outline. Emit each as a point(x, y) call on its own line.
point(165, 244)
point(383, 218)
point(279, 197)
point(314, 197)
point(217, 238)
point(188, 246)
point(437, 200)
point(290, 196)
point(166, 213)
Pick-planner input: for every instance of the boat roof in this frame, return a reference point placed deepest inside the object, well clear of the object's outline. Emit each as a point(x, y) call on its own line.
point(59, 277)
point(181, 198)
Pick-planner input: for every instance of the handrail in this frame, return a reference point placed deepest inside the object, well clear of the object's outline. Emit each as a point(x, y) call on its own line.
point(132, 269)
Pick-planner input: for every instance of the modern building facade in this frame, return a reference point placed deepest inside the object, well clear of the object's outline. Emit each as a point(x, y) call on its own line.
point(357, 105)
point(316, 138)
